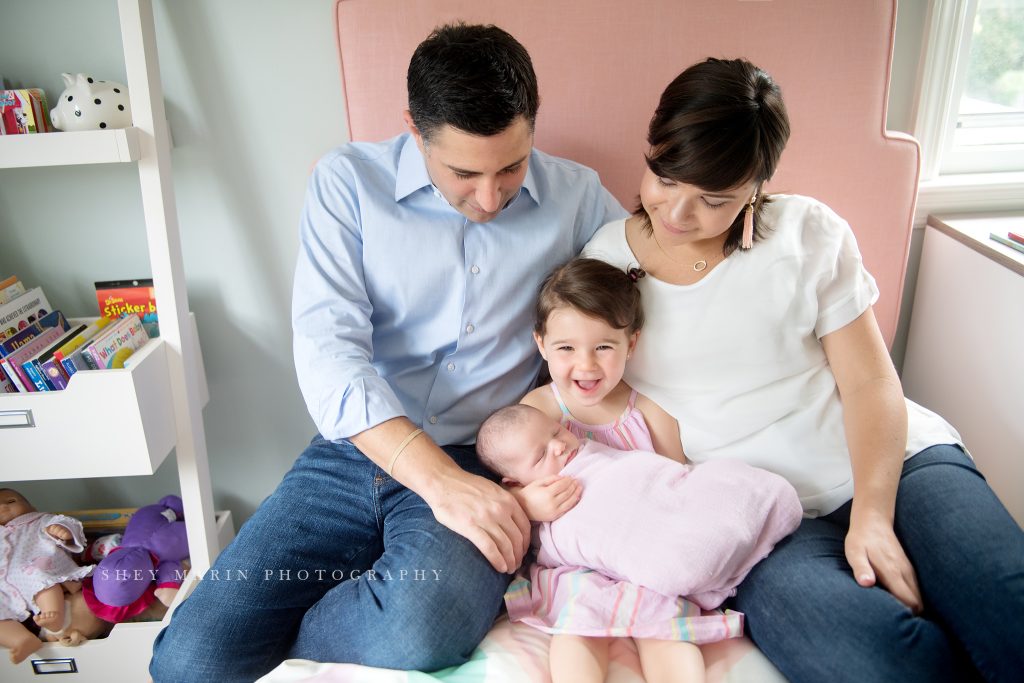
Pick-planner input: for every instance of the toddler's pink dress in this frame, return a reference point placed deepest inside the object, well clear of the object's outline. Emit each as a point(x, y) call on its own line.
point(651, 542)
point(31, 560)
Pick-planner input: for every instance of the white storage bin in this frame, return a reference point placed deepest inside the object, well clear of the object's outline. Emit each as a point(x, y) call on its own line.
point(107, 423)
point(121, 657)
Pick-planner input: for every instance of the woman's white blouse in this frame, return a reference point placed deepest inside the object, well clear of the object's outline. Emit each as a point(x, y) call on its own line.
point(737, 357)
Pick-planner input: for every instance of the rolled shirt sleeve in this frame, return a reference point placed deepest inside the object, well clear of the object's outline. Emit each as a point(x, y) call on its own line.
point(333, 345)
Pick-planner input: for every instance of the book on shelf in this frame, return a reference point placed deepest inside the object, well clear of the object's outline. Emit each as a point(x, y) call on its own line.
point(33, 366)
point(31, 331)
point(69, 355)
point(8, 346)
point(22, 312)
point(12, 364)
point(116, 343)
point(24, 111)
point(118, 298)
point(11, 289)
point(1007, 242)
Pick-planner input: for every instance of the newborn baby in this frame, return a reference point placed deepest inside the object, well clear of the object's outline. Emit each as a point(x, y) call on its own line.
point(681, 530)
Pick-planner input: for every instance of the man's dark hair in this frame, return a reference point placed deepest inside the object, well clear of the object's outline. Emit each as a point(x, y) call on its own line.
point(475, 78)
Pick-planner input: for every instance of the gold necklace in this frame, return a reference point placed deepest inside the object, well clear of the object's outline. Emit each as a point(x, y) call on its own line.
point(697, 266)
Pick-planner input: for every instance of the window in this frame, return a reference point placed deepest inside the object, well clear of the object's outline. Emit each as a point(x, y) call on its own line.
point(969, 114)
point(988, 131)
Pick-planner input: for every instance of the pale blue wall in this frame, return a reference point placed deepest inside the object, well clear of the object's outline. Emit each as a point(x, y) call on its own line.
point(253, 98)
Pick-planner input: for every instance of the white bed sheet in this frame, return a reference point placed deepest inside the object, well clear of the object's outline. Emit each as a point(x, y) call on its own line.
point(515, 653)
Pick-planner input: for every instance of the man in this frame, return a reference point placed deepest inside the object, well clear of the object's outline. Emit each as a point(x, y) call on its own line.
point(419, 262)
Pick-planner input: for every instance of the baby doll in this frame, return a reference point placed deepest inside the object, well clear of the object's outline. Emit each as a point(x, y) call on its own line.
point(79, 623)
point(35, 569)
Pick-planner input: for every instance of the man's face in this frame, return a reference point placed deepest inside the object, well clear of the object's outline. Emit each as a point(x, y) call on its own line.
point(477, 175)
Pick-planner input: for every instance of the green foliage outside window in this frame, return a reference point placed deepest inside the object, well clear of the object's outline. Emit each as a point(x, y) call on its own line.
point(996, 69)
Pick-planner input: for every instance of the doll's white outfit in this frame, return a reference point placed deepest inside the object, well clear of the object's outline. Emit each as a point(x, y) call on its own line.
point(31, 560)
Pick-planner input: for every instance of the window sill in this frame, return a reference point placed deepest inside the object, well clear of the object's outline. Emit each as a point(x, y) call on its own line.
point(969, 192)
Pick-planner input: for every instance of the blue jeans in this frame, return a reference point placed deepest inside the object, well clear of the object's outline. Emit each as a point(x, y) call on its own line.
point(340, 564)
point(808, 615)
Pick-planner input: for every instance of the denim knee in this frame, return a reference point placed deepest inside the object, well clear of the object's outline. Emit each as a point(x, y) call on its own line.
point(428, 644)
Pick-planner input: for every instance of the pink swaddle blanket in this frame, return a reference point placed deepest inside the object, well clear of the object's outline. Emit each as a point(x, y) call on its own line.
point(679, 530)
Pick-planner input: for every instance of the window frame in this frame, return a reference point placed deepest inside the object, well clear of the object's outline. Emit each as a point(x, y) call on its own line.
point(947, 46)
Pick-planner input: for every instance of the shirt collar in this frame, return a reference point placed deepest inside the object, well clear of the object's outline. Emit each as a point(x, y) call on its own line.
point(412, 173)
point(412, 170)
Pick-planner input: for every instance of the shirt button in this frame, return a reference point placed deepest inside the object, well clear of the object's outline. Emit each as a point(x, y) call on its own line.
point(470, 328)
point(475, 270)
point(451, 367)
point(433, 419)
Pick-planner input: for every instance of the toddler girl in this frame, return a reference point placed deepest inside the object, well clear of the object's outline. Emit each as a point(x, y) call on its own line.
point(648, 531)
point(588, 323)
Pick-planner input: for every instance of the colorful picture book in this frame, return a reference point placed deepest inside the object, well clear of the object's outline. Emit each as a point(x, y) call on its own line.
point(54, 320)
point(118, 298)
point(13, 364)
point(69, 355)
point(24, 111)
point(11, 289)
point(34, 365)
point(21, 312)
point(31, 331)
point(110, 348)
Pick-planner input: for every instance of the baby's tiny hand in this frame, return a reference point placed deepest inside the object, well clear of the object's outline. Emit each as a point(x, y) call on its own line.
point(545, 500)
point(59, 532)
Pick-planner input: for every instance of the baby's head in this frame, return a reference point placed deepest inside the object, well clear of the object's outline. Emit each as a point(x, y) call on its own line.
point(523, 444)
point(13, 504)
point(588, 320)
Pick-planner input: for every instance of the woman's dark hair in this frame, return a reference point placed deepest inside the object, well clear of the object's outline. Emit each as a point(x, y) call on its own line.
point(475, 78)
point(594, 288)
point(721, 123)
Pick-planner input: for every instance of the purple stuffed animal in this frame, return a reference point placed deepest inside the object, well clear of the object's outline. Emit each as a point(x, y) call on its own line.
point(145, 567)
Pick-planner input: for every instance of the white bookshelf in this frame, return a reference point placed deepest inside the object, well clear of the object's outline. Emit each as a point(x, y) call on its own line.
point(157, 401)
point(69, 149)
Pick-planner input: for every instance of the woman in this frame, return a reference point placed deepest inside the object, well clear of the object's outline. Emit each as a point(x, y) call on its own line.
point(762, 343)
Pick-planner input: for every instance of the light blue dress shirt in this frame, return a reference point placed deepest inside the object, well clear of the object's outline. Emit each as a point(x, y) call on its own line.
point(404, 307)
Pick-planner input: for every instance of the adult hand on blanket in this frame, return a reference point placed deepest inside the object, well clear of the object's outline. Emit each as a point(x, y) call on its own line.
point(485, 514)
point(875, 554)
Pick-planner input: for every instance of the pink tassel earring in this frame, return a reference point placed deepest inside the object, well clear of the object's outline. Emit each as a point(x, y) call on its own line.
point(748, 225)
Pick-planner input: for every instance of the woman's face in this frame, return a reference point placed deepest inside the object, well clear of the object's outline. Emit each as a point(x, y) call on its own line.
point(686, 214)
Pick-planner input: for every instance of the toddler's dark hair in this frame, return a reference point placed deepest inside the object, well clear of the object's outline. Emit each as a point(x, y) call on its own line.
point(594, 288)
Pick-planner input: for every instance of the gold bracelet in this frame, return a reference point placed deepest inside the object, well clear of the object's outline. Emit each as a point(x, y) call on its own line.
point(401, 448)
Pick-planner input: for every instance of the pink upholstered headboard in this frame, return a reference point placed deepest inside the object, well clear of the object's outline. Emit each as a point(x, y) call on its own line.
point(602, 64)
